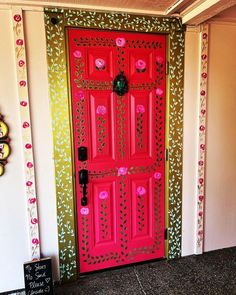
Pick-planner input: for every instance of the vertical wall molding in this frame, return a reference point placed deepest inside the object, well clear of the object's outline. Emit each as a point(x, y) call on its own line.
point(202, 138)
point(27, 146)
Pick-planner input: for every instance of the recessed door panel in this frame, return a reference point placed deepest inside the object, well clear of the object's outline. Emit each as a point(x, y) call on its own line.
point(141, 129)
point(101, 113)
point(120, 203)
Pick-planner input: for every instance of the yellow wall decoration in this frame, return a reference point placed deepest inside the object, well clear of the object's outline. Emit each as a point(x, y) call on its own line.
point(56, 22)
point(4, 145)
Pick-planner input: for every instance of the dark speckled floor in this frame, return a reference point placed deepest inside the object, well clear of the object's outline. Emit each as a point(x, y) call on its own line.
point(211, 273)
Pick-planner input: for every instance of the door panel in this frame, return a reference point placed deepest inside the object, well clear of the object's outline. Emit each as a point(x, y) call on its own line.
point(123, 220)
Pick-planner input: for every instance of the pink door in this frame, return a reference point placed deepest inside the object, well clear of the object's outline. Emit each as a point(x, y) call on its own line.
point(119, 141)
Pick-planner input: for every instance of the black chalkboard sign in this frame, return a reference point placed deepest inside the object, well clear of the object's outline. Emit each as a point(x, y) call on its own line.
point(38, 277)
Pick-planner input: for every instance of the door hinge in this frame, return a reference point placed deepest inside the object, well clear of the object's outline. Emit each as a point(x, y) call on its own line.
point(166, 234)
point(167, 154)
point(167, 67)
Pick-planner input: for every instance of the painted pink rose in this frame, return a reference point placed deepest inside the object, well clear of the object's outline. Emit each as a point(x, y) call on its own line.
point(202, 128)
point(23, 103)
point(200, 163)
point(204, 56)
point(159, 59)
point(22, 83)
point(122, 171)
point(157, 175)
point(77, 53)
point(120, 42)
point(25, 125)
point(35, 241)
point(101, 110)
point(140, 65)
point(201, 180)
point(29, 165)
point(100, 63)
point(34, 220)
point(140, 109)
point(28, 146)
point(29, 183)
point(19, 42)
point(203, 112)
point(79, 95)
point(21, 63)
point(202, 147)
point(201, 197)
point(84, 211)
point(103, 195)
point(17, 18)
point(32, 200)
point(159, 91)
point(140, 191)
point(204, 75)
point(204, 36)
point(200, 213)
point(203, 92)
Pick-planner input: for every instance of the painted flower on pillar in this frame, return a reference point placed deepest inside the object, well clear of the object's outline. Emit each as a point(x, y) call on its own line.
point(122, 171)
point(35, 241)
point(29, 165)
point(21, 63)
point(201, 197)
point(17, 18)
point(100, 64)
point(23, 103)
point(22, 83)
point(120, 42)
point(34, 220)
point(200, 180)
point(19, 42)
point(140, 66)
point(25, 125)
point(202, 147)
point(32, 200)
point(203, 92)
point(202, 128)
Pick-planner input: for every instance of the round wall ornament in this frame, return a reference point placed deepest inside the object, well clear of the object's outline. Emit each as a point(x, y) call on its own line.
point(4, 144)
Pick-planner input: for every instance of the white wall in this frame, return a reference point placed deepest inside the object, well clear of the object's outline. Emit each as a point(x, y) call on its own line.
point(14, 247)
point(191, 86)
point(220, 221)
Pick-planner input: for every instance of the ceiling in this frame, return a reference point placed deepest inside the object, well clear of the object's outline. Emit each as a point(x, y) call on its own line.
point(192, 12)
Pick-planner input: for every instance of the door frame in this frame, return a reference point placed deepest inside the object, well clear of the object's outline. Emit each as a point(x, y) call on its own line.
point(56, 22)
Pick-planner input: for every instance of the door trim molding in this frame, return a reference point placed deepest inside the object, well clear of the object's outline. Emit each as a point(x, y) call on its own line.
point(56, 20)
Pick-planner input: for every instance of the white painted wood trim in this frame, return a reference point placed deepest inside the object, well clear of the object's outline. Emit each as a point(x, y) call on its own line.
point(27, 145)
